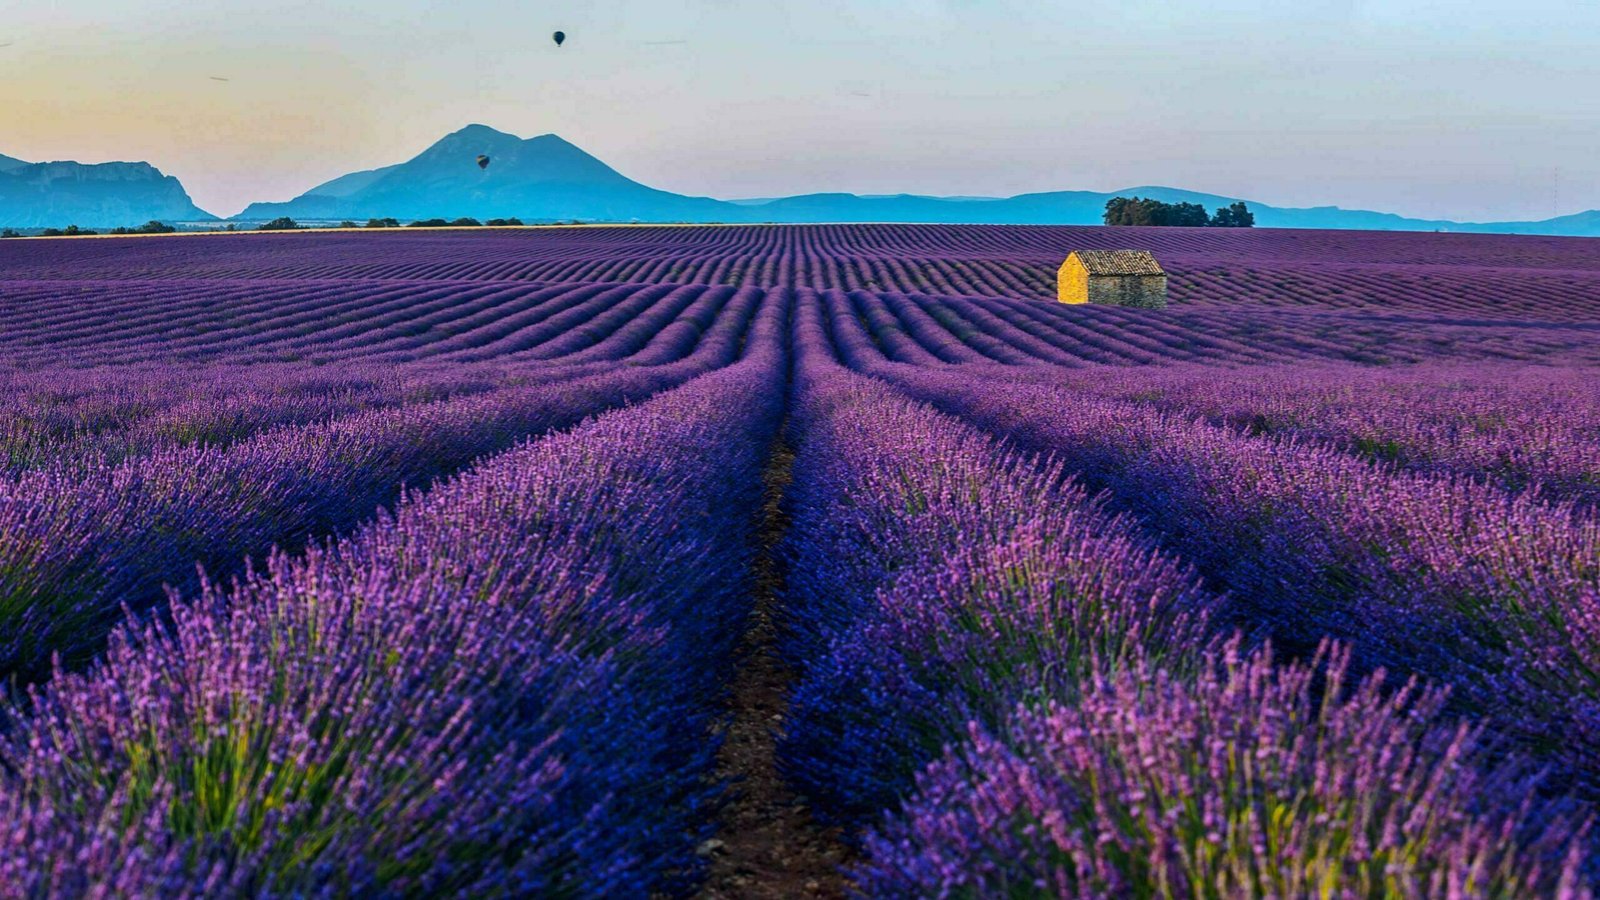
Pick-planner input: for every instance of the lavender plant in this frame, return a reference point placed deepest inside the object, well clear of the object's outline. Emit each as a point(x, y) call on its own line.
point(506, 688)
point(1495, 595)
point(1246, 779)
point(933, 588)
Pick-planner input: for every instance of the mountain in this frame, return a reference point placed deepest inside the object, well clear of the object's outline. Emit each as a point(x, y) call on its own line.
point(542, 177)
point(1055, 208)
point(546, 178)
point(53, 194)
point(345, 185)
point(1585, 223)
point(1087, 207)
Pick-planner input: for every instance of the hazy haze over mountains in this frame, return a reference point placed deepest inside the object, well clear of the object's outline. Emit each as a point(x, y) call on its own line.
point(546, 178)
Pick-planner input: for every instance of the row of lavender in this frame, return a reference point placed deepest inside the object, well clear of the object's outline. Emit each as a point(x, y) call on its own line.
point(250, 323)
point(1522, 428)
point(1533, 430)
point(990, 331)
point(1058, 703)
point(1494, 594)
point(81, 543)
point(497, 255)
point(506, 688)
point(368, 323)
point(1451, 274)
point(98, 417)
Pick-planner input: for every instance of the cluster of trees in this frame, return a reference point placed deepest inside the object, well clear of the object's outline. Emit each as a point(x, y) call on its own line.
point(69, 231)
point(462, 223)
point(151, 227)
point(1141, 211)
point(284, 223)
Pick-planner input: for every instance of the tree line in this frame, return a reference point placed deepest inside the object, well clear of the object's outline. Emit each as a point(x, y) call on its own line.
point(283, 223)
point(151, 227)
point(1143, 211)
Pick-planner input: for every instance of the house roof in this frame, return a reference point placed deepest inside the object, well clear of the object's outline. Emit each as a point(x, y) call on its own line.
point(1119, 262)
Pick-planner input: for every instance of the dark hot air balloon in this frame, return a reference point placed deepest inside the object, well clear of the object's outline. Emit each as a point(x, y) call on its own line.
point(483, 162)
point(560, 37)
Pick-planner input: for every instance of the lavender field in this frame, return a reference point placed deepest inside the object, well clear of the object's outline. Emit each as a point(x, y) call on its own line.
point(776, 560)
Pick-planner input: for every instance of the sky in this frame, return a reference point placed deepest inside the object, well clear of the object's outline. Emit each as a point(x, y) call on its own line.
point(1461, 110)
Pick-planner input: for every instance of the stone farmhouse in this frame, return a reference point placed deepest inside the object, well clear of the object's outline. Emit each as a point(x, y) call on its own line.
point(1113, 278)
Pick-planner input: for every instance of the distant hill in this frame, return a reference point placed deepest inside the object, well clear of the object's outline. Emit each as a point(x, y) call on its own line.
point(1057, 208)
point(1586, 223)
point(546, 178)
point(53, 194)
point(538, 178)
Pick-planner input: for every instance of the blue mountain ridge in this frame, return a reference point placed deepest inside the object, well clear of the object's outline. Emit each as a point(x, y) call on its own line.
point(546, 178)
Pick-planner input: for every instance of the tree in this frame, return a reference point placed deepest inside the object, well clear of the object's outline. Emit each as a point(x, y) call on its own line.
point(429, 223)
point(383, 223)
point(465, 222)
point(281, 223)
point(501, 223)
point(1142, 211)
point(154, 226)
point(1235, 215)
point(9, 233)
point(1133, 211)
point(1187, 215)
point(347, 224)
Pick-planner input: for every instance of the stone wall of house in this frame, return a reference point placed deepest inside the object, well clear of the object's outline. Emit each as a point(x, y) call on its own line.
point(1145, 291)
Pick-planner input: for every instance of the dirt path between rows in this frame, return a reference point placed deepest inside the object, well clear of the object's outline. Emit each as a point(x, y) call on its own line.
point(769, 846)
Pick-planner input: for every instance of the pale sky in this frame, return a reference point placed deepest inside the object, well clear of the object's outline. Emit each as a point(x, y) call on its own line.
point(1482, 111)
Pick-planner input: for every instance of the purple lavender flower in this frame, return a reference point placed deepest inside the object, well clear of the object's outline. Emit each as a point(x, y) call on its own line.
point(1244, 779)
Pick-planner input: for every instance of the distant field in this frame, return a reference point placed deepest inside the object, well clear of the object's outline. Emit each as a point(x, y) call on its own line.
point(513, 540)
point(1367, 297)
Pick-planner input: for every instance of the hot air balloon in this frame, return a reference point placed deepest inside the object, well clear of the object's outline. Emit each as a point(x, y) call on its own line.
point(560, 37)
point(483, 162)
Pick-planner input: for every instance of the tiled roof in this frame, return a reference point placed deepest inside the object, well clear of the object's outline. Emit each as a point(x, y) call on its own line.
point(1119, 262)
